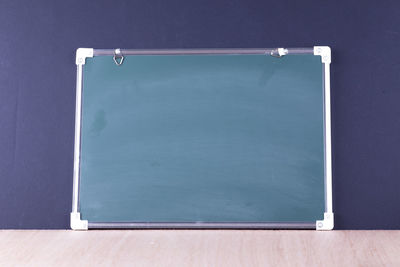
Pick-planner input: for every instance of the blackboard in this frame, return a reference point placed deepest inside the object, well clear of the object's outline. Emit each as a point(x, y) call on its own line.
point(202, 139)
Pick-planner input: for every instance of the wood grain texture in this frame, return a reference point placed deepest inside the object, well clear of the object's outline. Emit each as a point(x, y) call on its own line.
point(199, 248)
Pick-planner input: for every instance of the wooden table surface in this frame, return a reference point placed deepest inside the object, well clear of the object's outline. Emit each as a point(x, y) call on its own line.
point(199, 248)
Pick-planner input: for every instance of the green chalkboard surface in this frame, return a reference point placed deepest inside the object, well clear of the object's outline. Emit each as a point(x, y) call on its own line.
point(202, 139)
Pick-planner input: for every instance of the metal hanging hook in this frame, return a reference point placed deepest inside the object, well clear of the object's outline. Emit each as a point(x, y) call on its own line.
point(118, 57)
point(279, 52)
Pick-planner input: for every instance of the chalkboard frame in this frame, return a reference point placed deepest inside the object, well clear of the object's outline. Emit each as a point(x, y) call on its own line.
point(327, 220)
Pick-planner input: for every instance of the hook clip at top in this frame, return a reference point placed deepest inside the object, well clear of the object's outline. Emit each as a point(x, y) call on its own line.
point(279, 52)
point(118, 57)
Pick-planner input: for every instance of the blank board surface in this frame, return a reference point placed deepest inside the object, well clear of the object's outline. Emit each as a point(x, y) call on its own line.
point(230, 138)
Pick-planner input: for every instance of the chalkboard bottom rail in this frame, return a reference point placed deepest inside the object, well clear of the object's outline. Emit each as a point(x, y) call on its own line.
point(128, 225)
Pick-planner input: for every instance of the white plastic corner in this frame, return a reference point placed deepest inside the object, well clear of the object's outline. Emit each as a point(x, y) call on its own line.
point(82, 54)
point(324, 52)
point(327, 223)
point(77, 223)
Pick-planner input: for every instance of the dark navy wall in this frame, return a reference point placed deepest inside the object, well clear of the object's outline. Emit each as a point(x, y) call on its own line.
point(37, 89)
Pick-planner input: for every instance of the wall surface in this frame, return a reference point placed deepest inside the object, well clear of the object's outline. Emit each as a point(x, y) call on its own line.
point(37, 89)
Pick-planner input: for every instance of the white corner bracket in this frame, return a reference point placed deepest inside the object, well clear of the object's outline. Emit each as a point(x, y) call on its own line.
point(82, 54)
point(326, 223)
point(324, 52)
point(77, 223)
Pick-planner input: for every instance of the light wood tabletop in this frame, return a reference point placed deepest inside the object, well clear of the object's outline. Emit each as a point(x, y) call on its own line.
point(199, 248)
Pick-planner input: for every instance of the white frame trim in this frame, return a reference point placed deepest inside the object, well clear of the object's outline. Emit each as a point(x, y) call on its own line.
point(328, 218)
point(75, 218)
point(328, 222)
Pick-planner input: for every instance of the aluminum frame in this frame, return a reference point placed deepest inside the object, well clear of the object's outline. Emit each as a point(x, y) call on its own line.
point(327, 223)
